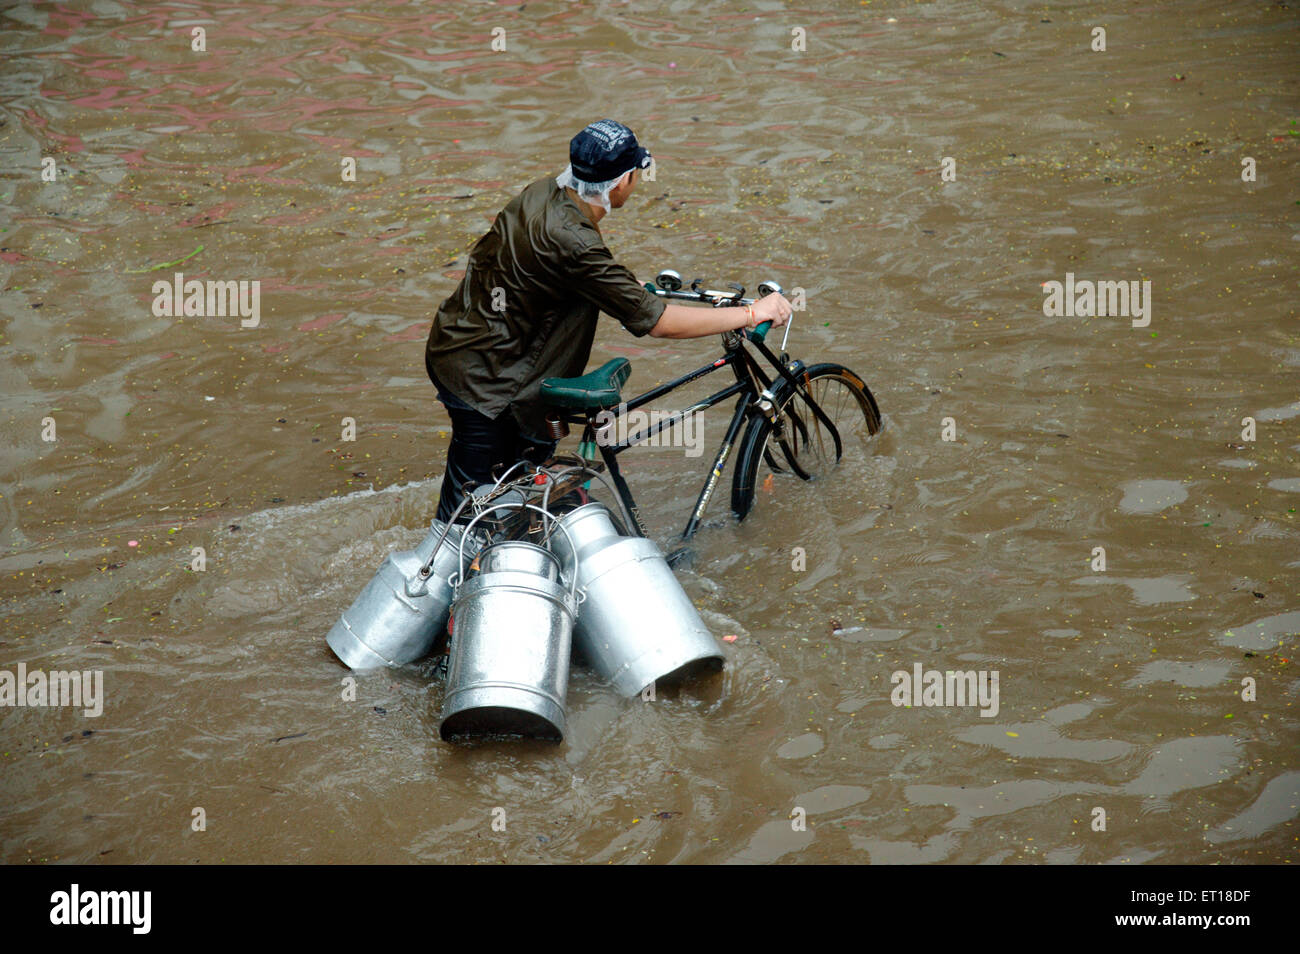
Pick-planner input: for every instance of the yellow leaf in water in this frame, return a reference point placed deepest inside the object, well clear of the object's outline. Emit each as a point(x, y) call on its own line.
point(1014, 735)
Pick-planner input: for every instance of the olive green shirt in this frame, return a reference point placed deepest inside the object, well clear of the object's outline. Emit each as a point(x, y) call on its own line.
point(527, 307)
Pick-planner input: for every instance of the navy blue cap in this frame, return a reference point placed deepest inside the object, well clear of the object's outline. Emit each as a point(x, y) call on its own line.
point(604, 151)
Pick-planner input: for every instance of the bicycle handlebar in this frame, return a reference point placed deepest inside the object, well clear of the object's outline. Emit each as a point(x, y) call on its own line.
point(716, 299)
point(707, 295)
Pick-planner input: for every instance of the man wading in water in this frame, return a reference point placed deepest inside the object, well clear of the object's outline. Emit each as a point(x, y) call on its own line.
point(526, 309)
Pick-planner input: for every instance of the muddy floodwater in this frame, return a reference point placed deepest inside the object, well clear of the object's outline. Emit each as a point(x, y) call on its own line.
point(1098, 508)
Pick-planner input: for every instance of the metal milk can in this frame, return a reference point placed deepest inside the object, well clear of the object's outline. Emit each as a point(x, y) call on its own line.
point(511, 636)
point(637, 626)
point(403, 609)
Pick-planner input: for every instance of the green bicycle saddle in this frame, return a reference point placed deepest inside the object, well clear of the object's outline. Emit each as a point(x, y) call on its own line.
point(595, 390)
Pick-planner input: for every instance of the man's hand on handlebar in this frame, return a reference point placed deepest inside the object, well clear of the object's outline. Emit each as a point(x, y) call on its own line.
point(774, 308)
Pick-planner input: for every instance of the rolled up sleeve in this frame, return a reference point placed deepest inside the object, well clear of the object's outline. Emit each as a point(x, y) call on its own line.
point(613, 288)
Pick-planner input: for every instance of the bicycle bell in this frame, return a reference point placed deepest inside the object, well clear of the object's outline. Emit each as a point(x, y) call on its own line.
point(669, 280)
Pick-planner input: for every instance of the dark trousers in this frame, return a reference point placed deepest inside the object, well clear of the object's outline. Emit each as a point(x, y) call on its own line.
point(479, 444)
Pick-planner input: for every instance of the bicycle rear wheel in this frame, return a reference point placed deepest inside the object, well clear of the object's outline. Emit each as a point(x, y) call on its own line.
point(799, 442)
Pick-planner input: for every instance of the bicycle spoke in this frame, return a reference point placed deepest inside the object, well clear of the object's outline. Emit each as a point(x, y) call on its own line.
point(816, 445)
point(827, 417)
point(823, 418)
point(793, 462)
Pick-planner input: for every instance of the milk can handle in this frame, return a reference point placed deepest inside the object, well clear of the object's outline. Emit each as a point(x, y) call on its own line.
point(455, 580)
point(465, 498)
point(427, 568)
point(622, 505)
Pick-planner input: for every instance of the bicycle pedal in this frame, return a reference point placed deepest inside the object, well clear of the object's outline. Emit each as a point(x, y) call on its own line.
point(441, 664)
point(683, 557)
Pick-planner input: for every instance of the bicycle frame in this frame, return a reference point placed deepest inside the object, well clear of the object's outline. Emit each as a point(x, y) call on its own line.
point(752, 384)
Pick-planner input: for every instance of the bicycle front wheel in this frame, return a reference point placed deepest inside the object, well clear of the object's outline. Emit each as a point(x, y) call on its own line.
point(799, 442)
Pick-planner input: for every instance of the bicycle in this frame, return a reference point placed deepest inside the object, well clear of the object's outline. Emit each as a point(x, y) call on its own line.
point(792, 419)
